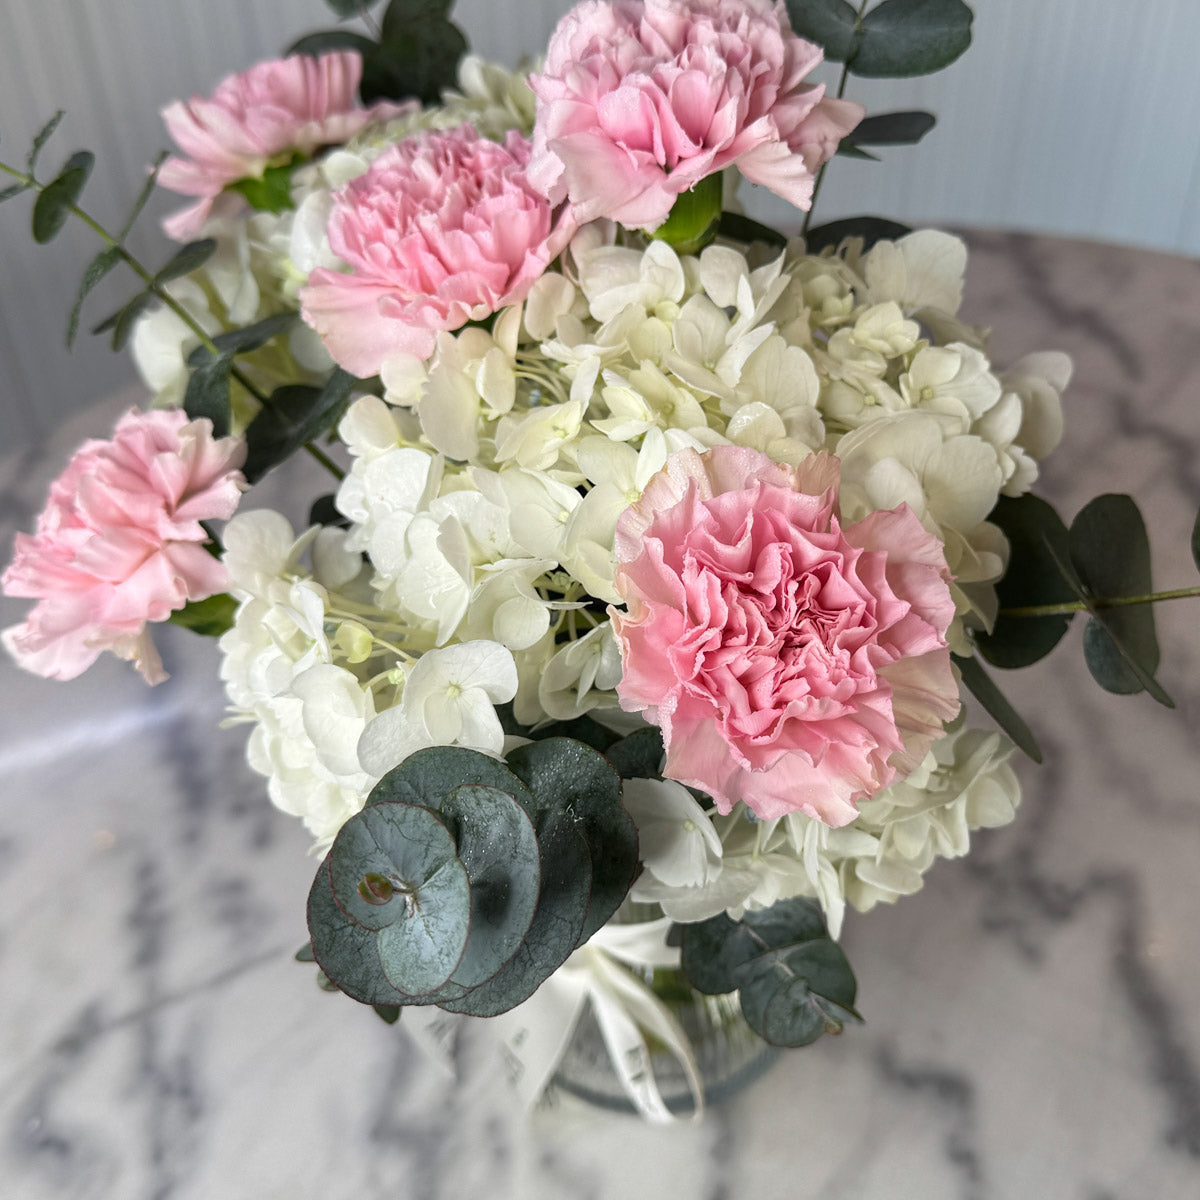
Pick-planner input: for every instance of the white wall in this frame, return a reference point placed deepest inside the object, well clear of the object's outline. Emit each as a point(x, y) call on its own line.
point(1069, 116)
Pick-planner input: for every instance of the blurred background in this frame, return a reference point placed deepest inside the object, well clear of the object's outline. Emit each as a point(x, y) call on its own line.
point(1071, 117)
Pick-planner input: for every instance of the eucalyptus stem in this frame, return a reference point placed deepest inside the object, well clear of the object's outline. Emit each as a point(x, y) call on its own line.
point(1074, 606)
point(841, 90)
point(159, 292)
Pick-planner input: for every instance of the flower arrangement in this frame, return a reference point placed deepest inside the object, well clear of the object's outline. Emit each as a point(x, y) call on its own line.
point(661, 546)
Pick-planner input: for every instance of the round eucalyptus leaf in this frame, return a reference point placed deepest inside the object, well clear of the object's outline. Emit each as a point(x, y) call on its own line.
point(791, 996)
point(498, 846)
point(422, 950)
point(568, 776)
point(901, 38)
point(347, 953)
point(429, 775)
point(638, 756)
point(566, 880)
point(405, 844)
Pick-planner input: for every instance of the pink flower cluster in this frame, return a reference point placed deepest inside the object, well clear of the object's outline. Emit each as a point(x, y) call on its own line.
point(120, 543)
point(443, 229)
point(641, 99)
point(791, 663)
point(298, 103)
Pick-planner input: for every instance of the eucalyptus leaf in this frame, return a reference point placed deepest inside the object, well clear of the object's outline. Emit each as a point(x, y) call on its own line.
point(249, 337)
point(295, 414)
point(143, 196)
point(1110, 552)
point(638, 756)
point(93, 273)
point(56, 199)
point(429, 775)
point(498, 846)
point(848, 149)
point(325, 40)
point(413, 59)
point(901, 38)
point(870, 229)
point(186, 259)
point(832, 24)
point(791, 996)
point(347, 9)
point(566, 884)
point(739, 228)
point(390, 1013)
point(1038, 550)
point(40, 139)
point(208, 392)
point(893, 128)
point(13, 189)
point(347, 953)
point(1196, 542)
point(209, 618)
point(583, 729)
point(567, 775)
point(123, 320)
point(996, 705)
point(324, 511)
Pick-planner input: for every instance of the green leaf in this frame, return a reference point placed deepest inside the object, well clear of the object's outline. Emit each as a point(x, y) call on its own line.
point(346, 9)
point(1038, 550)
point(793, 995)
point(316, 44)
point(566, 883)
point(567, 775)
point(694, 217)
point(870, 229)
point(794, 981)
point(40, 140)
point(893, 129)
point(848, 149)
point(142, 197)
point(305, 954)
point(1196, 542)
point(186, 260)
point(93, 273)
point(270, 192)
point(347, 953)
point(14, 189)
point(739, 228)
point(1110, 552)
point(498, 846)
point(430, 774)
point(583, 729)
point(123, 320)
point(416, 57)
point(208, 392)
point(389, 1013)
point(210, 618)
point(832, 24)
point(250, 337)
point(54, 202)
point(995, 704)
point(638, 756)
point(423, 928)
point(324, 511)
point(901, 38)
point(295, 414)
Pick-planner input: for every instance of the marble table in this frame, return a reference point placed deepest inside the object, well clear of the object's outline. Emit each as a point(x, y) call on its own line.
point(1032, 1017)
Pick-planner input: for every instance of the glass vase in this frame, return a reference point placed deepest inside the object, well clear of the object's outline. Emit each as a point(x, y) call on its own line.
point(729, 1054)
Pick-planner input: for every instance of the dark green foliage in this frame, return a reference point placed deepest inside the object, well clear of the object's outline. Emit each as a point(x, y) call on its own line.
point(892, 129)
point(185, 260)
point(271, 192)
point(40, 139)
point(57, 198)
point(1037, 541)
point(208, 392)
point(739, 228)
point(1119, 643)
point(894, 39)
point(93, 273)
point(294, 414)
point(793, 980)
point(870, 229)
point(994, 703)
point(465, 883)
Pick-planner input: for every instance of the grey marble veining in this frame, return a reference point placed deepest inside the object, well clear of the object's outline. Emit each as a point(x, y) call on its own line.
point(1033, 1015)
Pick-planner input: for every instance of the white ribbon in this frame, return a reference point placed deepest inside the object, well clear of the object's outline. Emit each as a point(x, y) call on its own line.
point(533, 1036)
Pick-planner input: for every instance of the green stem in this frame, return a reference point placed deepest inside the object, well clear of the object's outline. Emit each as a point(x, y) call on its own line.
point(156, 290)
point(841, 89)
point(1074, 606)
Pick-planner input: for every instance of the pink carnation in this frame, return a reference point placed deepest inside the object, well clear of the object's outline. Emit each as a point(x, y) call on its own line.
point(791, 663)
point(292, 104)
point(641, 99)
point(120, 543)
point(443, 229)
